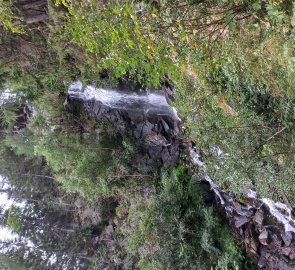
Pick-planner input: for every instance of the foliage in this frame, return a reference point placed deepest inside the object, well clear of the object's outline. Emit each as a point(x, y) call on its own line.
point(239, 58)
point(115, 33)
point(50, 232)
point(14, 219)
point(232, 65)
point(7, 263)
point(8, 115)
point(31, 65)
point(22, 144)
point(90, 166)
point(243, 104)
point(7, 16)
point(170, 228)
point(174, 229)
point(27, 175)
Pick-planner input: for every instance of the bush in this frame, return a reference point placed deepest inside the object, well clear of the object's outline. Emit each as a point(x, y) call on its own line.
point(174, 229)
point(89, 166)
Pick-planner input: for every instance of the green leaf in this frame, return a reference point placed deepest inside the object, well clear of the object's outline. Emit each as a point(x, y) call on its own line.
point(130, 43)
point(256, 5)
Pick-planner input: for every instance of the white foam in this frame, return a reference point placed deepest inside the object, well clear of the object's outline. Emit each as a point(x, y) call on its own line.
point(120, 99)
point(282, 213)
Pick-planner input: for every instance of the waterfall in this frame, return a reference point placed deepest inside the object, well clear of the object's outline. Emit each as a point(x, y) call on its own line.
point(281, 212)
point(149, 102)
point(261, 223)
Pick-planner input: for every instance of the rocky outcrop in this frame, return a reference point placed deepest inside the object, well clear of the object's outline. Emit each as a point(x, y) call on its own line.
point(146, 117)
point(266, 228)
point(156, 138)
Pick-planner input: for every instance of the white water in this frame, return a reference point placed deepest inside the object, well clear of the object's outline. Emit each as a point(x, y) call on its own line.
point(147, 102)
point(6, 96)
point(278, 210)
point(282, 213)
point(114, 98)
point(157, 103)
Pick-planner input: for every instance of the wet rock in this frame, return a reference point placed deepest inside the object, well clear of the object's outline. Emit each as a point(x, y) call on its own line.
point(267, 228)
point(145, 116)
point(263, 237)
point(240, 221)
point(287, 238)
point(267, 238)
point(258, 218)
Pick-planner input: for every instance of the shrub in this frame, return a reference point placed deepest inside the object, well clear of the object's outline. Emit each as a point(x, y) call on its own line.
point(89, 166)
point(174, 229)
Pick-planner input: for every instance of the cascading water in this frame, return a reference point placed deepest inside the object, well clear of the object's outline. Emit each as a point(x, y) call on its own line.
point(266, 227)
point(280, 211)
point(146, 102)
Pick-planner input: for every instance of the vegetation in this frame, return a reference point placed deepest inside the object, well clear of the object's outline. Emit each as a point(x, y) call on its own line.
point(251, 115)
point(159, 214)
point(90, 167)
point(174, 229)
point(7, 15)
point(42, 216)
point(234, 59)
point(232, 66)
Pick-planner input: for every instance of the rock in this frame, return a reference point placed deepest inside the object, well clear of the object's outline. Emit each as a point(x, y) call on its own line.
point(292, 255)
point(258, 218)
point(265, 227)
point(286, 251)
point(146, 129)
point(263, 237)
point(155, 129)
point(287, 238)
point(155, 140)
point(240, 221)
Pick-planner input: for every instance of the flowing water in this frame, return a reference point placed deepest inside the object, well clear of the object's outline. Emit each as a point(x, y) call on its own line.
point(156, 103)
point(280, 211)
point(149, 102)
